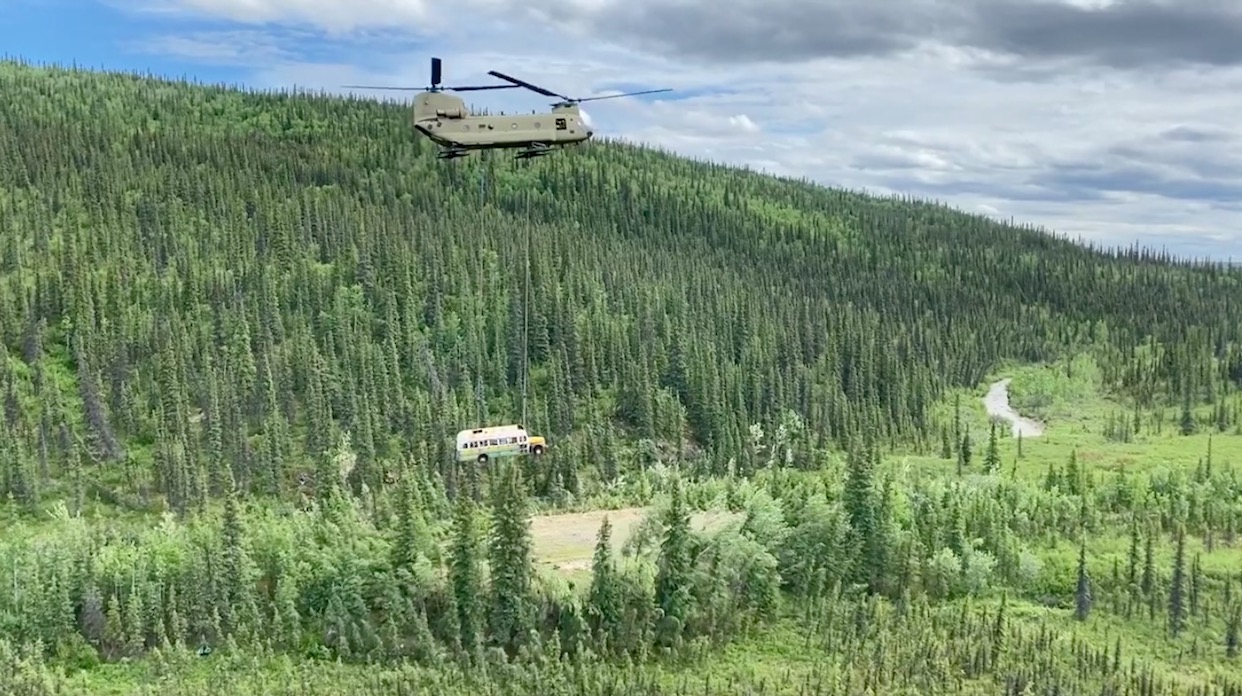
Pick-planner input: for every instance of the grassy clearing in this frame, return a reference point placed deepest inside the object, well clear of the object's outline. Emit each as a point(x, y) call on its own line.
point(566, 542)
point(1068, 399)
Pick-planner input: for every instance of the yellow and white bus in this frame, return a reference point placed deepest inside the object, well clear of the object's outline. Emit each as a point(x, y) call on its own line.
point(482, 444)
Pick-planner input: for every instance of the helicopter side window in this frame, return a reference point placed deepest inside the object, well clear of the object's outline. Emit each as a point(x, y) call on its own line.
point(560, 124)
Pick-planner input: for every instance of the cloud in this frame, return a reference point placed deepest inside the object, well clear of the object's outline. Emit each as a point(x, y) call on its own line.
point(231, 48)
point(1116, 33)
point(964, 102)
point(1130, 34)
point(1123, 34)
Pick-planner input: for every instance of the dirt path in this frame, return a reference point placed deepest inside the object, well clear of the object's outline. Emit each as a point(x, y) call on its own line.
point(567, 542)
point(997, 404)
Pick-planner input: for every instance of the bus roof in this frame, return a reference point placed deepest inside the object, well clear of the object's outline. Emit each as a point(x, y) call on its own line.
point(512, 429)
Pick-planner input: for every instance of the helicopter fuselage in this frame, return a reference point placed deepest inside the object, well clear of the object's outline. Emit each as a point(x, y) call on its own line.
point(445, 120)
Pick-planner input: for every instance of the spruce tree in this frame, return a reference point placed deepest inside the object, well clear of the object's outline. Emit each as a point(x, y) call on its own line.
point(1177, 589)
point(1082, 594)
point(465, 575)
point(604, 599)
point(411, 527)
point(1232, 628)
point(859, 500)
point(509, 560)
point(672, 588)
point(992, 459)
point(1186, 424)
point(236, 607)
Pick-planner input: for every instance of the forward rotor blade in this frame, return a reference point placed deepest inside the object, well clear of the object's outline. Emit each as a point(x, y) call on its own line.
point(527, 85)
point(400, 89)
point(475, 89)
point(627, 94)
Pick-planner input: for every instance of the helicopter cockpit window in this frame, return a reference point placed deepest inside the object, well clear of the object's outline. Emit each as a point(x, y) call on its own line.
point(560, 124)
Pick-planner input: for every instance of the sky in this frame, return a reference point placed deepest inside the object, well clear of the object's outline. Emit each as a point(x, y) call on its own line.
point(1116, 122)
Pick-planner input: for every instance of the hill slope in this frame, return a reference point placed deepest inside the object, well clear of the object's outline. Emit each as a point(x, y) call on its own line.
point(202, 283)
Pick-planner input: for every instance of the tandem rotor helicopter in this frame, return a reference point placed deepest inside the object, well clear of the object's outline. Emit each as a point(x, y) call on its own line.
point(445, 120)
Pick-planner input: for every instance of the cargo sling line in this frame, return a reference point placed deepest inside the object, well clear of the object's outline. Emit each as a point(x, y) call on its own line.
point(526, 333)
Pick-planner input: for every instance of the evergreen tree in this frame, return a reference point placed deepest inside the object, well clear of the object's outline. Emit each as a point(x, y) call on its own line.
point(672, 588)
point(1082, 594)
point(1232, 628)
point(465, 575)
point(992, 459)
point(860, 505)
point(604, 599)
point(1177, 588)
point(1186, 423)
point(236, 605)
point(509, 559)
point(412, 531)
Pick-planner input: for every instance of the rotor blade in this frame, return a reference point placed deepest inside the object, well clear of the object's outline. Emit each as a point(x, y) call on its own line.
point(435, 71)
point(475, 89)
point(402, 89)
point(527, 85)
point(627, 94)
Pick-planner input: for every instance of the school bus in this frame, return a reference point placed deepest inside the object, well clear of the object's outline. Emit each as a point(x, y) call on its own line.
point(481, 444)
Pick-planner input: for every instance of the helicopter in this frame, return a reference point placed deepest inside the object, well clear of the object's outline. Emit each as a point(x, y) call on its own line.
point(445, 120)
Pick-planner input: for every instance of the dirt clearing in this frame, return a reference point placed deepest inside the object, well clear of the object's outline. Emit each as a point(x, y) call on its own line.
point(567, 542)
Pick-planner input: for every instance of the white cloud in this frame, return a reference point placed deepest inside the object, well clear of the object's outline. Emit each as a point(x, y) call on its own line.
point(235, 48)
point(1107, 154)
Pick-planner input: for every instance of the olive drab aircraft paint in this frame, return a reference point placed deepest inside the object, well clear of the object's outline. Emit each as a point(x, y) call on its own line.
point(445, 120)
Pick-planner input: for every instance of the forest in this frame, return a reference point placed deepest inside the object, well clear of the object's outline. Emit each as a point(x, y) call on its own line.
point(239, 332)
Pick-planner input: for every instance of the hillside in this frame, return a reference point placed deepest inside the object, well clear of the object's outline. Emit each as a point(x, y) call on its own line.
point(203, 286)
point(204, 276)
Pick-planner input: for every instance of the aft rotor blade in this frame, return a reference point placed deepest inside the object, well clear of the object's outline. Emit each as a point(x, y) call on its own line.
point(527, 85)
point(435, 71)
point(627, 94)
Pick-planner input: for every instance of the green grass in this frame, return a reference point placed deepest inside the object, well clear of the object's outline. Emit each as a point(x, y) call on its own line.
point(1075, 411)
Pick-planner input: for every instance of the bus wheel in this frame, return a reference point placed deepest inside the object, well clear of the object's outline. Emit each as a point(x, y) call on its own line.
point(482, 458)
point(536, 450)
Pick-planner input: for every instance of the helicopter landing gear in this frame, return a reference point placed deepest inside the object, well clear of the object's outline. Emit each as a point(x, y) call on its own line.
point(535, 150)
point(452, 153)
